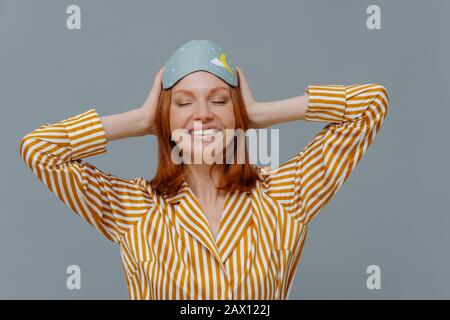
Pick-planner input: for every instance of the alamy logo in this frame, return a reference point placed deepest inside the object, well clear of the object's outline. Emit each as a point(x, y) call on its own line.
point(73, 281)
point(211, 146)
point(374, 280)
point(374, 20)
point(73, 21)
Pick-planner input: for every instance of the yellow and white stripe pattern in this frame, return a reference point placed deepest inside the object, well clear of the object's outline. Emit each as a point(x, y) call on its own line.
point(166, 244)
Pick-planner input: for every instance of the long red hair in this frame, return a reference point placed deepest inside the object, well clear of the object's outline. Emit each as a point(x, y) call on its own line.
point(169, 176)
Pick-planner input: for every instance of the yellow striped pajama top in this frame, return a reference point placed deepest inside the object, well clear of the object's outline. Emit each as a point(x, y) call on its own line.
point(166, 244)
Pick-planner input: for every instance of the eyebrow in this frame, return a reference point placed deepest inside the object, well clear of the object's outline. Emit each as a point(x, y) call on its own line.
point(188, 92)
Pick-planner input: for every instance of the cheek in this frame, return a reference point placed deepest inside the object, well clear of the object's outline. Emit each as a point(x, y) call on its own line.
point(227, 118)
point(178, 119)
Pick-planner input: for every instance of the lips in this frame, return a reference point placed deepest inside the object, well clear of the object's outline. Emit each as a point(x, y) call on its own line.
point(204, 134)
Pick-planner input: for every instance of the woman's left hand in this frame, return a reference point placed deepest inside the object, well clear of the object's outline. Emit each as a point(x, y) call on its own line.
point(266, 114)
point(250, 102)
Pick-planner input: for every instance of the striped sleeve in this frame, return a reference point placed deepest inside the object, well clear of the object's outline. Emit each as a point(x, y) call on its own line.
point(354, 113)
point(55, 152)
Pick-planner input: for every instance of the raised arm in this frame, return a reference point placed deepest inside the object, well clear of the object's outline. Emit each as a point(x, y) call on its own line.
point(55, 153)
point(308, 181)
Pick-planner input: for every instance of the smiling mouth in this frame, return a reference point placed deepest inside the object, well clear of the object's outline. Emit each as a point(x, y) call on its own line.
point(204, 135)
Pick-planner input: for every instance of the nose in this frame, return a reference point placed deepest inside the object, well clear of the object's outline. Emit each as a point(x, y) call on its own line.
point(202, 113)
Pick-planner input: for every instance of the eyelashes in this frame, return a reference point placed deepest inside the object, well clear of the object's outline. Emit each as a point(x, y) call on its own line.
point(214, 102)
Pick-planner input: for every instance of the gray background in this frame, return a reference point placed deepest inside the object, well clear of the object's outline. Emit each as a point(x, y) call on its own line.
point(392, 212)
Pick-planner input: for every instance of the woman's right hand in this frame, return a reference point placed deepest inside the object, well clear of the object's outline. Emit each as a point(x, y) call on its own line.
point(148, 109)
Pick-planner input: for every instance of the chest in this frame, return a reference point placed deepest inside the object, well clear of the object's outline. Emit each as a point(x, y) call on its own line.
point(254, 245)
point(213, 211)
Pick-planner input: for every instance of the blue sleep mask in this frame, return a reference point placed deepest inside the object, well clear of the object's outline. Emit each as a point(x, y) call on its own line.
point(198, 55)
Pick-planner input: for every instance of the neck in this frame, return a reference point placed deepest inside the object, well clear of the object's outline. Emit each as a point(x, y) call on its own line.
point(201, 183)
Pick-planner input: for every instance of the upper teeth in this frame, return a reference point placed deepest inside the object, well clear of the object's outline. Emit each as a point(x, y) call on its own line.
point(204, 132)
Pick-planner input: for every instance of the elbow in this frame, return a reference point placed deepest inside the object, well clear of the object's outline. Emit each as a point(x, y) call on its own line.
point(383, 92)
point(24, 146)
point(381, 99)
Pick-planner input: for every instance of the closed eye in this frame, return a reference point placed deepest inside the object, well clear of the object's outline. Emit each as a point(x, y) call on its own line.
point(215, 102)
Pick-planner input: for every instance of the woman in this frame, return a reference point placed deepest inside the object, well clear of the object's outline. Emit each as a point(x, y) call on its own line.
point(201, 230)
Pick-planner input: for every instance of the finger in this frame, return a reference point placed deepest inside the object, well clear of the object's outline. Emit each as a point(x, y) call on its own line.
point(244, 83)
point(158, 79)
point(245, 87)
point(161, 70)
point(240, 74)
point(159, 74)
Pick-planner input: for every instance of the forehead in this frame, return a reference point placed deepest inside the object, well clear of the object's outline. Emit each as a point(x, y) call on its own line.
point(200, 82)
